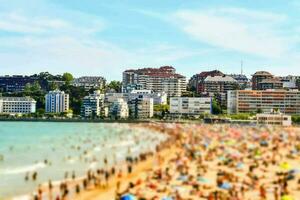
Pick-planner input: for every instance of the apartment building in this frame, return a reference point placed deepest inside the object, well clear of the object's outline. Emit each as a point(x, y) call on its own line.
point(119, 109)
point(93, 105)
point(163, 79)
point(219, 84)
point(17, 105)
point(90, 82)
point(265, 101)
point(190, 105)
point(140, 107)
point(258, 77)
point(270, 83)
point(15, 83)
point(196, 83)
point(242, 80)
point(158, 98)
point(56, 102)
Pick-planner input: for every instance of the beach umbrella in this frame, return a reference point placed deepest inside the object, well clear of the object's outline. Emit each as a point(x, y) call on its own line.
point(167, 198)
point(128, 197)
point(240, 165)
point(285, 166)
point(182, 178)
point(203, 180)
point(225, 186)
point(287, 197)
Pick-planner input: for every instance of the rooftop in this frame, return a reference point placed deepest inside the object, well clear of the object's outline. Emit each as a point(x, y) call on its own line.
point(262, 73)
point(220, 79)
point(17, 99)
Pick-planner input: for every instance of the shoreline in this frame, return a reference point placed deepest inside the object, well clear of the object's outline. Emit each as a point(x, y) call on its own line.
point(96, 190)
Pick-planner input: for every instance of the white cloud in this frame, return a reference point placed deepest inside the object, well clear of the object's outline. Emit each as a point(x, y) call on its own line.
point(40, 25)
point(235, 29)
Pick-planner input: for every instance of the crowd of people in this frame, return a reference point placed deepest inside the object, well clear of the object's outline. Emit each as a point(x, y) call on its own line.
point(212, 162)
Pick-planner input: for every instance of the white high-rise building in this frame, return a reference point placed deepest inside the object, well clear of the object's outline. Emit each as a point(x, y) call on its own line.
point(141, 107)
point(17, 105)
point(93, 105)
point(119, 109)
point(56, 102)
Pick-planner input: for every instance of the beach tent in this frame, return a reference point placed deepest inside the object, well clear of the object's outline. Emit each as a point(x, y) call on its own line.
point(128, 197)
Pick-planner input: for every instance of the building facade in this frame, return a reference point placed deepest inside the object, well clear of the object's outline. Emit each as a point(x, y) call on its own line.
point(158, 98)
point(15, 83)
point(90, 82)
point(119, 109)
point(163, 79)
point(140, 107)
point(217, 86)
point(264, 101)
point(274, 119)
point(56, 102)
point(242, 80)
point(270, 83)
point(258, 77)
point(93, 105)
point(196, 83)
point(190, 105)
point(17, 105)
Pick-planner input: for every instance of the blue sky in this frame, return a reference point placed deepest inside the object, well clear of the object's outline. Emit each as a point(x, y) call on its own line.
point(105, 37)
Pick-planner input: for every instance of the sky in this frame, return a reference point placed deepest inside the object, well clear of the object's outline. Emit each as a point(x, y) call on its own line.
point(105, 37)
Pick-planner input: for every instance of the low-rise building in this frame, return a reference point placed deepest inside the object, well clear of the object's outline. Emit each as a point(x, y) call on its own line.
point(274, 119)
point(17, 105)
point(93, 105)
point(56, 102)
point(263, 101)
point(90, 82)
point(141, 107)
point(190, 105)
point(119, 109)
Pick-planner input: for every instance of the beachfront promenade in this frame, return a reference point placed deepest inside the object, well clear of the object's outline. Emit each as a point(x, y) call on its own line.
point(219, 162)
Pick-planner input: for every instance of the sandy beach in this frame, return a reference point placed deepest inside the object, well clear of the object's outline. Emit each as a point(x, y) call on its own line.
point(220, 162)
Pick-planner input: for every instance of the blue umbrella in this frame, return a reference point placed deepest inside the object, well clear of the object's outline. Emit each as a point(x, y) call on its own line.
point(225, 186)
point(128, 197)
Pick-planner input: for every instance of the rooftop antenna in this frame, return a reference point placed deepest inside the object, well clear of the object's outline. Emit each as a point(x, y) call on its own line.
point(242, 64)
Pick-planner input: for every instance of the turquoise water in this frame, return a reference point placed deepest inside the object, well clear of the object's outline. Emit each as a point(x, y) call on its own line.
point(52, 149)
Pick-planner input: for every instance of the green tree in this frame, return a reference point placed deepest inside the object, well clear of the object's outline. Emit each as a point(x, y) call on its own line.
point(114, 85)
point(76, 95)
point(67, 77)
point(216, 107)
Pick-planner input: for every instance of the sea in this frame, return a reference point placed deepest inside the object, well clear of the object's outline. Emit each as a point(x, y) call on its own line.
point(56, 149)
